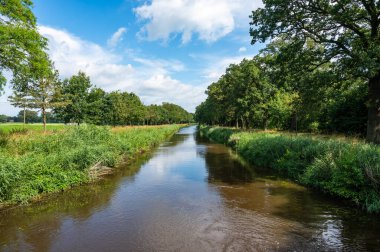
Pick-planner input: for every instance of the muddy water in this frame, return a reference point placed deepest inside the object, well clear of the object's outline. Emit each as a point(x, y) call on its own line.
point(189, 195)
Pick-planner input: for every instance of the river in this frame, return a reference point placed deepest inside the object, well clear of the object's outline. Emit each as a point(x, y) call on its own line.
point(189, 195)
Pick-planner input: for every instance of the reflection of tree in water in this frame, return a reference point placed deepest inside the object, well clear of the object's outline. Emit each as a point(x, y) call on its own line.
point(33, 227)
point(222, 165)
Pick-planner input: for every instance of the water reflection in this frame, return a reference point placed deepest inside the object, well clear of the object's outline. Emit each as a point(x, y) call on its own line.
point(190, 195)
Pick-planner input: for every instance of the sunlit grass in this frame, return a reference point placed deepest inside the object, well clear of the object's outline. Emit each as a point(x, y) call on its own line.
point(38, 127)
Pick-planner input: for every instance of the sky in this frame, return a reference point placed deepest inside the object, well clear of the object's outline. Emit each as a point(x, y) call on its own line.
point(162, 50)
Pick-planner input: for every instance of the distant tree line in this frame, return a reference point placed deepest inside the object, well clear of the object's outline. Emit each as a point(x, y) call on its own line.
point(320, 71)
point(80, 102)
point(30, 116)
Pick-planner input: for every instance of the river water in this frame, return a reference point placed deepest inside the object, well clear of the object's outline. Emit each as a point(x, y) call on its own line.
point(189, 195)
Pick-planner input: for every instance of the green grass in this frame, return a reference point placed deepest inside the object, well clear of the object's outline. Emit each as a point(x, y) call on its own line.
point(38, 127)
point(35, 164)
point(339, 167)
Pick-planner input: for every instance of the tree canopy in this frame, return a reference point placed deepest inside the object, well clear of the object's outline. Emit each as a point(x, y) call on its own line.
point(19, 38)
point(347, 33)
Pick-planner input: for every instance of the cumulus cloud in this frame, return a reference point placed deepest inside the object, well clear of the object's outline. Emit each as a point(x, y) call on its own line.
point(116, 37)
point(148, 78)
point(209, 19)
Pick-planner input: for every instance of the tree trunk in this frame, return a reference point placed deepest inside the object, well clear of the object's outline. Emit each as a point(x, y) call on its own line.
point(373, 125)
point(24, 116)
point(243, 123)
point(44, 118)
point(265, 121)
point(294, 123)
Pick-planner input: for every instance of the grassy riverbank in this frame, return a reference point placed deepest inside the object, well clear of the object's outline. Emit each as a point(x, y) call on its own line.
point(33, 164)
point(340, 167)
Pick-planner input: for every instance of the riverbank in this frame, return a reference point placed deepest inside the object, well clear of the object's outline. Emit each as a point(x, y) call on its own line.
point(33, 164)
point(341, 168)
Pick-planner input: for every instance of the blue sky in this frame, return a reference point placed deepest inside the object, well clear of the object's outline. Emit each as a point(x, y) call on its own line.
point(162, 50)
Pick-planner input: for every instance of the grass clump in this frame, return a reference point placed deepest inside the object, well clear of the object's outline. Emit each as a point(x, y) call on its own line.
point(37, 163)
point(349, 170)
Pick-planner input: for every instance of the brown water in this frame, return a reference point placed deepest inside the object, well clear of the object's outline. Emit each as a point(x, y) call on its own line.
point(189, 195)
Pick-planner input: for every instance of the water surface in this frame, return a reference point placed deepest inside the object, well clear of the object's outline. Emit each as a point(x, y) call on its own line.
point(189, 195)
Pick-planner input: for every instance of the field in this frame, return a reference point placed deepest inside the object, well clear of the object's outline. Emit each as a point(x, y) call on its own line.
point(38, 127)
point(342, 167)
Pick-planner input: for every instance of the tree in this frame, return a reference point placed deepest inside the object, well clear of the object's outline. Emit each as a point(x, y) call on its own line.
point(348, 31)
point(96, 100)
point(29, 116)
point(75, 91)
point(3, 118)
point(42, 84)
point(19, 38)
point(20, 99)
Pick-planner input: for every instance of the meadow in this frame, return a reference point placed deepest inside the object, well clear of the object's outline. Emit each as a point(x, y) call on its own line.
point(37, 127)
point(342, 167)
point(33, 163)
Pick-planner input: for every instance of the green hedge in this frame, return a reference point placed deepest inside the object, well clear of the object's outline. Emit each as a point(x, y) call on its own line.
point(338, 167)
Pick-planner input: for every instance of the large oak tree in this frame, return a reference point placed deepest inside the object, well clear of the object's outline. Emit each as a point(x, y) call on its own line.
point(347, 29)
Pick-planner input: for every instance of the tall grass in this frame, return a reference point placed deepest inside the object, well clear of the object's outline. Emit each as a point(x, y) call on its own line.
point(37, 163)
point(349, 170)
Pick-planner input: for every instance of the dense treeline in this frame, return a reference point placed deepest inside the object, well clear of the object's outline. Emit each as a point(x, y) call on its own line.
point(257, 94)
point(80, 102)
point(320, 71)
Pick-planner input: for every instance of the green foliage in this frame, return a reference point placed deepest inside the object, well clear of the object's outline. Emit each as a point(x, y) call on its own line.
point(30, 116)
point(95, 106)
point(75, 92)
point(37, 164)
point(245, 97)
point(3, 118)
point(19, 38)
point(342, 36)
point(341, 168)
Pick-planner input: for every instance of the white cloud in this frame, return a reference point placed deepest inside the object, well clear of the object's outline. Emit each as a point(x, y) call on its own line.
point(116, 37)
point(215, 71)
point(209, 19)
point(242, 49)
point(148, 78)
